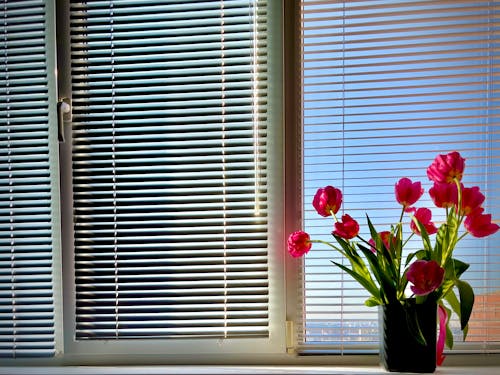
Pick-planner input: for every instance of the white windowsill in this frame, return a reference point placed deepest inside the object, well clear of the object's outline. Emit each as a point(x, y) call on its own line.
point(230, 370)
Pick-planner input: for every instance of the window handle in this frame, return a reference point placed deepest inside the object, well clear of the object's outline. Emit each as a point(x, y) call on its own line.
point(63, 107)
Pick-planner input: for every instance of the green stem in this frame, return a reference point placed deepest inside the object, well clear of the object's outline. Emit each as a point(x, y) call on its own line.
point(402, 214)
point(462, 236)
point(400, 252)
point(364, 241)
point(409, 237)
point(457, 212)
point(331, 245)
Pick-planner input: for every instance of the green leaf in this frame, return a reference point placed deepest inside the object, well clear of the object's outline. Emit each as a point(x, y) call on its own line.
point(454, 303)
point(465, 331)
point(367, 284)
point(446, 288)
point(372, 301)
point(459, 267)
point(373, 231)
point(466, 302)
point(382, 263)
point(452, 299)
point(449, 334)
point(449, 337)
point(357, 263)
point(351, 254)
point(425, 238)
point(396, 248)
point(420, 254)
point(412, 321)
point(389, 264)
point(452, 225)
point(345, 250)
point(386, 283)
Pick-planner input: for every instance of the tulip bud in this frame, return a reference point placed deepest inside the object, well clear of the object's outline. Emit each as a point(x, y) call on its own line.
point(446, 168)
point(424, 216)
point(347, 228)
point(327, 200)
point(426, 276)
point(408, 192)
point(479, 224)
point(299, 243)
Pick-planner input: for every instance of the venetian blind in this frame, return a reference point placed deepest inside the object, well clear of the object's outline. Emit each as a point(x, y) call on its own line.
point(26, 213)
point(388, 85)
point(169, 169)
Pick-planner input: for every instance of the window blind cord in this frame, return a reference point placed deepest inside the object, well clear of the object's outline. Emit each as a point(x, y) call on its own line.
point(252, 10)
point(224, 192)
point(342, 275)
point(11, 184)
point(113, 164)
point(486, 250)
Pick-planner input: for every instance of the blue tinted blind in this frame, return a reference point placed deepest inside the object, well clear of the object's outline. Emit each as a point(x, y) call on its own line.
point(387, 85)
point(26, 218)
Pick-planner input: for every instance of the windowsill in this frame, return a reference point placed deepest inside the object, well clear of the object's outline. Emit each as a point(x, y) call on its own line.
point(230, 370)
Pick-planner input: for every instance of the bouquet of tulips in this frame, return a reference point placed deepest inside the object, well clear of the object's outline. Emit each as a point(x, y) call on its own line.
point(430, 272)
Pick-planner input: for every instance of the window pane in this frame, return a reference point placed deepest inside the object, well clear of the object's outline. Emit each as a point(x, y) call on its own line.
point(169, 169)
point(386, 87)
point(27, 210)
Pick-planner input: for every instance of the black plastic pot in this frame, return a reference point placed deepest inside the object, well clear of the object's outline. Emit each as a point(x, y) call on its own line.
point(400, 349)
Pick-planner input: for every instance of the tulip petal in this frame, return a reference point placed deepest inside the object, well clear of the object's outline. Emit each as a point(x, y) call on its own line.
point(327, 200)
point(443, 318)
point(347, 228)
point(446, 168)
point(426, 276)
point(479, 224)
point(299, 243)
point(408, 192)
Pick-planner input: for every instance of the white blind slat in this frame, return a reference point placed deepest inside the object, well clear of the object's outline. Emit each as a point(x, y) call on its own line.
point(169, 135)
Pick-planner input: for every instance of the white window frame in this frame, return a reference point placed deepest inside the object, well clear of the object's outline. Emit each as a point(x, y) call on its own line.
point(294, 219)
point(174, 350)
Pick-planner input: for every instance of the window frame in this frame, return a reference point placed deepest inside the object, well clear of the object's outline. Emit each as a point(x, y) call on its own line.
point(286, 216)
point(55, 207)
point(460, 354)
point(175, 349)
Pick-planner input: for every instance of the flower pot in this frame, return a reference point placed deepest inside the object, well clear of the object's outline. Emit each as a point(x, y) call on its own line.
point(400, 350)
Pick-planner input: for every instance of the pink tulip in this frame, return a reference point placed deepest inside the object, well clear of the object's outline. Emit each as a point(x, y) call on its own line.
point(472, 199)
point(443, 317)
point(444, 195)
point(408, 192)
point(479, 224)
point(299, 243)
point(446, 168)
point(424, 216)
point(347, 228)
point(426, 276)
point(327, 200)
